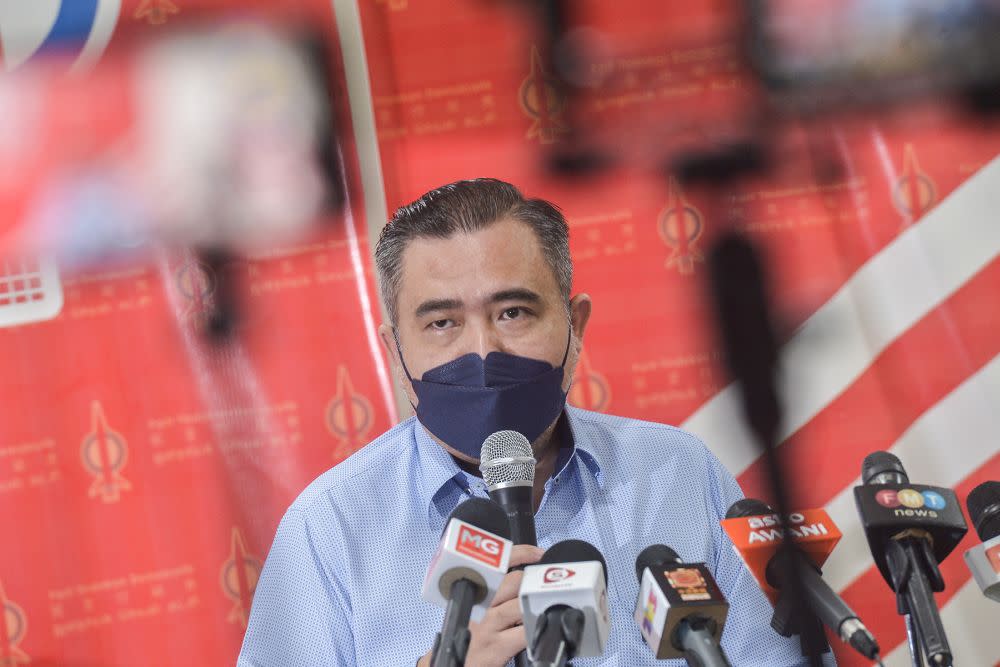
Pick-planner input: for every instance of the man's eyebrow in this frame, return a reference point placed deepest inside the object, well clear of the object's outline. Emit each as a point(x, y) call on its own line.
point(432, 305)
point(515, 294)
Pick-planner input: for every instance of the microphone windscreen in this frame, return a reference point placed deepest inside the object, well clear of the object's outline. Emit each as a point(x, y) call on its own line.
point(573, 551)
point(748, 507)
point(984, 509)
point(484, 514)
point(506, 458)
point(880, 463)
point(654, 556)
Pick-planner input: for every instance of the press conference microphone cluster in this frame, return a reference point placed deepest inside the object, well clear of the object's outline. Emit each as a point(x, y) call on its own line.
point(910, 529)
point(755, 531)
point(465, 572)
point(564, 603)
point(984, 559)
point(680, 610)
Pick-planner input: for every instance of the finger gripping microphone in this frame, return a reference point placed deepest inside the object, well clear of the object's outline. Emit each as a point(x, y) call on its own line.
point(680, 610)
point(564, 602)
point(508, 467)
point(983, 559)
point(465, 572)
point(755, 531)
point(910, 529)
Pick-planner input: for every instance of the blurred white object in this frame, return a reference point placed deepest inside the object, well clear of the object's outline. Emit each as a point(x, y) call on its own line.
point(30, 291)
point(210, 137)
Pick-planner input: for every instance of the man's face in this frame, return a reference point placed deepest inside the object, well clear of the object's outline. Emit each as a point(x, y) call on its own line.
point(488, 291)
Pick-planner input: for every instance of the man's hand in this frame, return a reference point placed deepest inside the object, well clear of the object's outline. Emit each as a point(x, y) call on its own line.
point(500, 635)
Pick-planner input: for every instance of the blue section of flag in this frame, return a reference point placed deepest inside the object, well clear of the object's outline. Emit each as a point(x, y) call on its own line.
point(72, 26)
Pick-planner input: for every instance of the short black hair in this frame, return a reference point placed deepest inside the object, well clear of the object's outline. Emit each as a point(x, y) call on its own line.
point(468, 206)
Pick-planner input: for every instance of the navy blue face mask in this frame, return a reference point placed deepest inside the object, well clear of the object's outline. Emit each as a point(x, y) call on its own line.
point(465, 400)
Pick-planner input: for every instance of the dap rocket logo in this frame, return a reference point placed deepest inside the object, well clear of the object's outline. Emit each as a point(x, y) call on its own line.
point(239, 578)
point(155, 12)
point(554, 575)
point(914, 192)
point(590, 389)
point(543, 102)
point(680, 227)
point(15, 625)
point(79, 29)
point(104, 453)
point(196, 283)
point(348, 415)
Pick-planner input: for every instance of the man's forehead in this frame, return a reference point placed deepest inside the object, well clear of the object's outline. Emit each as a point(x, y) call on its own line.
point(472, 266)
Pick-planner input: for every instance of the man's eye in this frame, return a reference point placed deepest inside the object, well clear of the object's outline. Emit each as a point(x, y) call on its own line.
point(512, 313)
point(440, 324)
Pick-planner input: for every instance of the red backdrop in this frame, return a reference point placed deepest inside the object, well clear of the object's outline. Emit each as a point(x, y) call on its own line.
point(144, 468)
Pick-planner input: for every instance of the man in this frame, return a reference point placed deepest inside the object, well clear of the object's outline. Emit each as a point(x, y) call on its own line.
point(484, 336)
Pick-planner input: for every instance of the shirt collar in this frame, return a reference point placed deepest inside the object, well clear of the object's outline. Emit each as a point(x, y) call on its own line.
point(437, 468)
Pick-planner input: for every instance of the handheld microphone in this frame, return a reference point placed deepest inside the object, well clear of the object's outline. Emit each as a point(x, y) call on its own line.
point(983, 559)
point(465, 572)
point(508, 467)
point(680, 610)
point(564, 602)
point(910, 529)
point(756, 534)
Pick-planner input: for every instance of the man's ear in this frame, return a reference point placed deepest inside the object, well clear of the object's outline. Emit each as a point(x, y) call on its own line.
point(579, 313)
point(389, 344)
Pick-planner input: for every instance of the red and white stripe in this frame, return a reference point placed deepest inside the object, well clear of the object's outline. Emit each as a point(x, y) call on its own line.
point(905, 331)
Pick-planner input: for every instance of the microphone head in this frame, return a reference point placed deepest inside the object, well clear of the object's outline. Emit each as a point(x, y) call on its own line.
point(984, 509)
point(484, 514)
point(655, 556)
point(748, 507)
point(883, 468)
point(573, 551)
point(506, 460)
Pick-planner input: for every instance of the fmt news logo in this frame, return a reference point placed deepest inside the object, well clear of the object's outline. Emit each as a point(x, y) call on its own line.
point(910, 502)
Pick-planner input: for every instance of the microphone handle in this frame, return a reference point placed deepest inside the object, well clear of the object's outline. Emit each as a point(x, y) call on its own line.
point(516, 501)
point(699, 645)
point(920, 597)
point(557, 635)
point(453, 641)
point(518, 504)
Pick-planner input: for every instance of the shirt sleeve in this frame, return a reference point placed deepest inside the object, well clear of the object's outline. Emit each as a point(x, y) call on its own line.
point(299, 614)
point(747, 638)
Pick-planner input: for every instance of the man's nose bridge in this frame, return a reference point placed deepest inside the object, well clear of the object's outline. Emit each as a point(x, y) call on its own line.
point(485, 338)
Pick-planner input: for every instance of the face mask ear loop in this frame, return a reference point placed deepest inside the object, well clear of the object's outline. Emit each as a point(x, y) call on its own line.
point(400, 353)
point(569, 338)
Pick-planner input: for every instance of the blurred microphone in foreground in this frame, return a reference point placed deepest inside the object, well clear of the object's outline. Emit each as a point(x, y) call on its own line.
point(984, 559)
point(680, 609)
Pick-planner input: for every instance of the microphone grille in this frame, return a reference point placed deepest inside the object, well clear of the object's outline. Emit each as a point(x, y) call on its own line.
point(984, 509)
point(882, 463)
point(748, 507)
point(506, 459)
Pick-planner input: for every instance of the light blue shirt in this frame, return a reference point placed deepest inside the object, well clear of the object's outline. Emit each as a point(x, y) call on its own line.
point(341, 585)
